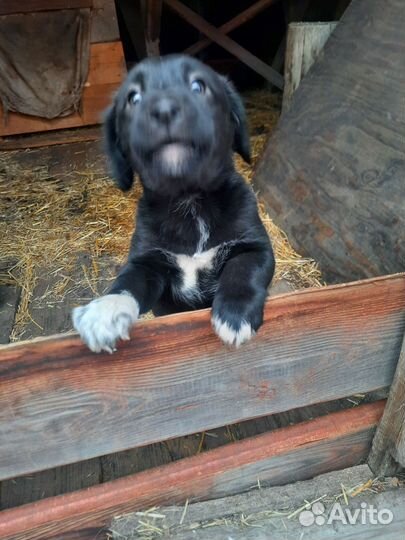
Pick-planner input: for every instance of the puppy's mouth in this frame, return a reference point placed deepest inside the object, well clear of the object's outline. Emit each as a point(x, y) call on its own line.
point(175, 156)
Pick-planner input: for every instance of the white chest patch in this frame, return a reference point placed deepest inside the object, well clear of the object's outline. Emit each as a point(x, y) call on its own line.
point(191, 265)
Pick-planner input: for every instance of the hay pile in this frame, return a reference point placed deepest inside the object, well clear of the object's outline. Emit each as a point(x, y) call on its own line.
point(47, 221)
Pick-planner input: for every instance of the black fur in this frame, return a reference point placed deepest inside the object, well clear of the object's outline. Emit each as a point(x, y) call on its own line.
point(191, 189)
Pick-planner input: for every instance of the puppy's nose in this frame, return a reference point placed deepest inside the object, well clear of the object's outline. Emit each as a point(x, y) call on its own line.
point(165, 110)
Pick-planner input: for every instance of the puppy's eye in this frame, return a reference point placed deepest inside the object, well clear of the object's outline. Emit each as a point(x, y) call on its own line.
point(134, 97)
point(198, 86)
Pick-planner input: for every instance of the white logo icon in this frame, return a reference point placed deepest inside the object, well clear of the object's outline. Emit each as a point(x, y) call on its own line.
point(309, 517)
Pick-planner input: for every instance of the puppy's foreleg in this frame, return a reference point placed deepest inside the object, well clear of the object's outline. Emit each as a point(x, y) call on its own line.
point(237, 310)
point(105, 320)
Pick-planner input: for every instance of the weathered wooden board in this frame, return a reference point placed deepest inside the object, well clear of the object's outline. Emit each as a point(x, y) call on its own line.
point(388, 452)
point(294, 453)
point(60, 403)
point(106, 72)
point(333, 173)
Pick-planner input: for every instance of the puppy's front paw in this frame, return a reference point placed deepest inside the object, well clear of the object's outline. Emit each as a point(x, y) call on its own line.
point(105, 320)
point(232, 332)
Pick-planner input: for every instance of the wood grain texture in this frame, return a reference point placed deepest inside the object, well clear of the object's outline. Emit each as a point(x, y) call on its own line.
point(294, 453)
point(106, 72)
point(332, 173)
point(388, 451)
point(60, 403)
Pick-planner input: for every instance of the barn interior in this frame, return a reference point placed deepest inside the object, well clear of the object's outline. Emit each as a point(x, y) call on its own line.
point(65, 227)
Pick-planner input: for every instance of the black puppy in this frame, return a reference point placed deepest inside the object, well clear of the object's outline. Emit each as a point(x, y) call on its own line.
point(199, 241)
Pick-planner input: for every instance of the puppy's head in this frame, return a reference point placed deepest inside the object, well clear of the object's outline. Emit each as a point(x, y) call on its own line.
point(175, 122)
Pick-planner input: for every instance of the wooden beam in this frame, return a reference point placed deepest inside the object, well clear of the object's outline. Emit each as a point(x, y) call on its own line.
point(289, 454)
point(226, 42)
point(387, 456)
point(60, 403)
point(242, 18)
point(29, 6)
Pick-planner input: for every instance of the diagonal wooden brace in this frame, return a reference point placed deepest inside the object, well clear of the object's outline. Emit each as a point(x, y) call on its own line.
point(227, 43)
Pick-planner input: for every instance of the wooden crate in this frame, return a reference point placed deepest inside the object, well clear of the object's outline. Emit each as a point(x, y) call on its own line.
point(60, 403)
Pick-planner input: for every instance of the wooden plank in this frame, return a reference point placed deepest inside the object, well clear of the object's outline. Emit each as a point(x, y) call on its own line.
point(175, 377)
point(29, 6)
point(305, 42)
point(38, 140)
point(226, 42)
point(332, 174)
point(289, 454)
point(388, 452)
point(106, 72)
point(242, 18)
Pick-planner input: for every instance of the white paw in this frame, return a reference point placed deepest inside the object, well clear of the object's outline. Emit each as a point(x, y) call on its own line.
point(105, 320)
point(231, 336)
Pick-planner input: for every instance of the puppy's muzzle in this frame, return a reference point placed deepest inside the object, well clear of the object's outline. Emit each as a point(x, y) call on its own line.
point(165, 111)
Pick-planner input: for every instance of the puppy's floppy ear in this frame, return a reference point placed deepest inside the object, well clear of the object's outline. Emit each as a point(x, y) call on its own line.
point(120, 166)
point(241, 141)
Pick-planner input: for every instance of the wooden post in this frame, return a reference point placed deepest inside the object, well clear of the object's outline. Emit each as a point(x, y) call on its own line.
point(387, 455)
point(152, 12)
point(305, 41)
